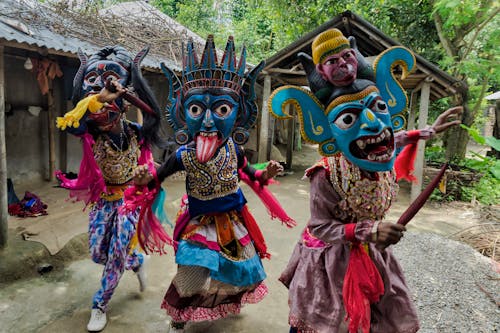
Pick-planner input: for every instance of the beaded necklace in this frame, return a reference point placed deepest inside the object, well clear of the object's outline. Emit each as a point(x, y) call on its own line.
point(361, 196)
point(117, 165)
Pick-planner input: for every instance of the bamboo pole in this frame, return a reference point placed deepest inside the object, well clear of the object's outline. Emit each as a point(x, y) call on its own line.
point(264, 121)
point(51, 128)
point(3, 157)
point(290, 136)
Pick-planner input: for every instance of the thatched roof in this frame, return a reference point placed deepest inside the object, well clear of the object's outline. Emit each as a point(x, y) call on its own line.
point(61, 27)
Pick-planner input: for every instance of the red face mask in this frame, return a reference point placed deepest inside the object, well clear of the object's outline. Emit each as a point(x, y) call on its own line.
point(107, 117)
point(339, 69)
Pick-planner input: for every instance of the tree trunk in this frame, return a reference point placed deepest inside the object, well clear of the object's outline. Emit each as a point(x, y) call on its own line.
point(456, 138)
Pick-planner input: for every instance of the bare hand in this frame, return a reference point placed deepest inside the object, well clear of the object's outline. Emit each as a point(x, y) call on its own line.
point(389, 233)
point(272, 169)
point(142, 175)
point(106, 95)
point(447, 119)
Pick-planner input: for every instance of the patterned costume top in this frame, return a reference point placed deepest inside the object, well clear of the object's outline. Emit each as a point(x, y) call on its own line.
point(117, 166)
point(211, 186)
point(362, 197)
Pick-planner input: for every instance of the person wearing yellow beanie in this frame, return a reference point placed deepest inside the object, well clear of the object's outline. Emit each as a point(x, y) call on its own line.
point(334, 58)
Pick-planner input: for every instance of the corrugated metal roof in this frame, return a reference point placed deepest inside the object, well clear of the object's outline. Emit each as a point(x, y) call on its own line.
point(40, 35)
point(494, 96)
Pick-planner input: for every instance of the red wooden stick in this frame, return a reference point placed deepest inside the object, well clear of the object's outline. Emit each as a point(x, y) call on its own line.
point(415, 206)
point(130, 98)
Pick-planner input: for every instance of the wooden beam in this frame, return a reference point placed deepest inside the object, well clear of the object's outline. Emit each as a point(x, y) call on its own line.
point(3, 157)
point(412, 114)
point(264, 121)
point(285, 71)
point(422, 123)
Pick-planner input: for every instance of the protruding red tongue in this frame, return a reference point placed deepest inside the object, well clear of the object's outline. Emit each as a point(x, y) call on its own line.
point(206, 146)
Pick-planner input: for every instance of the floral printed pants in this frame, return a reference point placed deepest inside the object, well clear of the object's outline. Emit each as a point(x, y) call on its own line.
point(109, 237)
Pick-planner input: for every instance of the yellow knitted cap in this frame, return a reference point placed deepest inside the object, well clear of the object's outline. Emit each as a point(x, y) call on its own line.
point(327, 43)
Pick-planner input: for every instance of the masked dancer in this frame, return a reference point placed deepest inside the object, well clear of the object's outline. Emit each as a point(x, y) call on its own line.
point(113, 148)
point(218, 243)
point(341, 276)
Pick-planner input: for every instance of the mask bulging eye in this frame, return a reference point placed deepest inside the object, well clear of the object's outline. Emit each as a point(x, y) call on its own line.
point(195, 110)
point(223, 110)
point(380, 106)
point(91, 78)
point(346, 120)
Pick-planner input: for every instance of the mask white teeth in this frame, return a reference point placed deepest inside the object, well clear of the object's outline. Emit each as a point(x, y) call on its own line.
point(371, 157)
point(361, 144)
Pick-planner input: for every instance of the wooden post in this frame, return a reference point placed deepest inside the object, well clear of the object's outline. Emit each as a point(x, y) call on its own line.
point(422, 123)
point(411, 112)
point(63, 135)
point(3, 157)
point(291, 133)
point(51, 128)
point(270, 136)
point(264, 120)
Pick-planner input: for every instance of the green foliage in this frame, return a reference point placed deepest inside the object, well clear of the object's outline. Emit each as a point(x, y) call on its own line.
point(489, 140)
point(487, 189)
point(435, 154)
point(169, 7)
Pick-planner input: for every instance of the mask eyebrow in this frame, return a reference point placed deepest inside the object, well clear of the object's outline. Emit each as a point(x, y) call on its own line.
point(353, 107)
point(370, 99)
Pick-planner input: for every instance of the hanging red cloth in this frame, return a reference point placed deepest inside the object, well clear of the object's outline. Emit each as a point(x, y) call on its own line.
point(405, 161)
point(45, 70)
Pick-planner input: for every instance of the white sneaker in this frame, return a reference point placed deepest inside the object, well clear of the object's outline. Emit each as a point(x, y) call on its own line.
point(97, 321)
point(142, 274)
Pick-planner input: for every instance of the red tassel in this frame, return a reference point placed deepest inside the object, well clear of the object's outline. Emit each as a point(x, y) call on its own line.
point(363, 285)
point(150, 233)
point(405, 162)
point(255, 233)
point(268, 199)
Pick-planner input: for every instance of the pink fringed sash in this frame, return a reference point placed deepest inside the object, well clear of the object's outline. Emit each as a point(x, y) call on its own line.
point(268, 199)
point(90, 183)
point(150, 233)
point(182, 221)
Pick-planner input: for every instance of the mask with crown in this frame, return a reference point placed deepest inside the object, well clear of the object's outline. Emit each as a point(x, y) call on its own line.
point(212, 101)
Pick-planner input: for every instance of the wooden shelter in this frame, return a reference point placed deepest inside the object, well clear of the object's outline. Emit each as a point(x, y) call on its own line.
point(427, 83)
